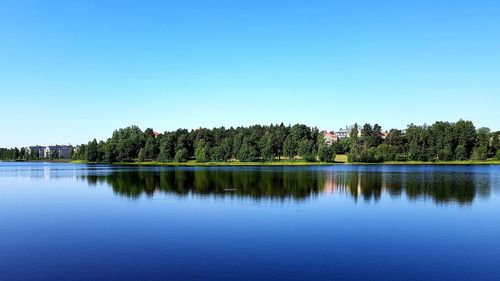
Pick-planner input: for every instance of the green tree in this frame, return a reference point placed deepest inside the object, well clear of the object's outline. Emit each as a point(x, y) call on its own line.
point(461, 152)
point(247, 153)
point(142, 155)
point(151, 148)
point(22, 153)
point(221, 152)
point(290, 147)
point(34, 155)
point(267, 145)
point(484, 148)
point(353, 136)
point(417, 137)
point(367, 130)
point(126, 144)
point(480, 153)
point(181, 155)
point(306, 150)
point(82, 152)
point(342, 146)
point(376, 137)
point(92, 153)
point(466, 136)
point(446, 154)
point(201, 151)
point(386, 152)
point(360, 153)
point(442, 141)
point(110, 154)
point(184, 141)
point(281, 132)
point(167, 147)
point(326, 153)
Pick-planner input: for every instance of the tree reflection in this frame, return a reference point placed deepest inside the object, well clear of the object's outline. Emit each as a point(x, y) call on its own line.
point(440, 187)
point(254, 184)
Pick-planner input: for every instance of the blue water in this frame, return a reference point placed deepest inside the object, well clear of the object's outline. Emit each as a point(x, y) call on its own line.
point(373, 222)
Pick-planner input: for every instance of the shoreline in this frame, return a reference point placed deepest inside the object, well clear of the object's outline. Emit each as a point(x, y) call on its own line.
point(291, 163)
point(256, 164)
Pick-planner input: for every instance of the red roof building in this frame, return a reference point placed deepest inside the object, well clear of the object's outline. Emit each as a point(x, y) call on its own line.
point(385, 134)
point(329, 137)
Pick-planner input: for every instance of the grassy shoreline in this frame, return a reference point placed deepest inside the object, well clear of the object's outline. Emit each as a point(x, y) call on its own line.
point(339, 160)
point(466, 162)
point(290, 163)
point(230, 163)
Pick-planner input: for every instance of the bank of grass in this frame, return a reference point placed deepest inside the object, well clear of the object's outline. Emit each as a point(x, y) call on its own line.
point(339, 159)
point(228, 163)
point(465, 162)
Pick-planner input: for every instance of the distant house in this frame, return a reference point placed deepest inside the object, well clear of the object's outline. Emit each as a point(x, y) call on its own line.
point(329, 137)
point(39, 150)
point(385, 134)
point(344, 133)
point(155, 134)
point(59, 151)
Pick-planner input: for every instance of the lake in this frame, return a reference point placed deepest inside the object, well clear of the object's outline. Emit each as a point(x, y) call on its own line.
point(343, 222)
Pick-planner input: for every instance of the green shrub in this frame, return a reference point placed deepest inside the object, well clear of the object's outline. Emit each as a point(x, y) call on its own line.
point(460, 153)
point(201, 154)
point(142, 155)
point(181, 155)
point(326, 153)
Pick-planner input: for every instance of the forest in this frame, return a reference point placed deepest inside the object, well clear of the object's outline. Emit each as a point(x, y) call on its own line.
point(441, 141)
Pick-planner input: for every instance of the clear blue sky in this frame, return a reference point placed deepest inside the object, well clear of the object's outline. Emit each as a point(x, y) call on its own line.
point(74, 70)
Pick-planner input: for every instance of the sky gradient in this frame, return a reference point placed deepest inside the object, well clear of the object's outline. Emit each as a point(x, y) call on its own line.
point(74, 70)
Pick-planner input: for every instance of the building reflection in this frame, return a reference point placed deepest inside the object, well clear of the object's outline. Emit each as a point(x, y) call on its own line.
point(460, 188)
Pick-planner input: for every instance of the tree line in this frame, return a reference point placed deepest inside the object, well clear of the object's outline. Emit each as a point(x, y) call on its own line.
point(18, 154)
point(24, 154)
point(246, 144)
point(441, 141)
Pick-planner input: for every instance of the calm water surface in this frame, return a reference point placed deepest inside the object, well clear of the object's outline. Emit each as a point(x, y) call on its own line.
point(374, 222)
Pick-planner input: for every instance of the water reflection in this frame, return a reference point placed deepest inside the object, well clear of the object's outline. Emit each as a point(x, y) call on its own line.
point(440, 187)
point(254, 184)
point(441, 184)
